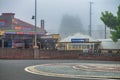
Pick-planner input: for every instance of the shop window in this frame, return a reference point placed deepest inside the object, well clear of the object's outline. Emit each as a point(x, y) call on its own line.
point(80, 46)
point(73, 47)
point(109, 51)
point(83, 47)
point(69, 47)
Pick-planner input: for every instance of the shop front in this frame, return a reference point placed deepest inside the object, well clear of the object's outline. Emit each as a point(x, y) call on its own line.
point(17, 33)
point(79, 42)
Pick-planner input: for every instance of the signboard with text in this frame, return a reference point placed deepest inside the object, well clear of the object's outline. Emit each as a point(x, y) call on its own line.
point(78, 40)
point(23, 28)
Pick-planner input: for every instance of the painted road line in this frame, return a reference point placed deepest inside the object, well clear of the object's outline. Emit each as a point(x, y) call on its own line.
point(59, 66)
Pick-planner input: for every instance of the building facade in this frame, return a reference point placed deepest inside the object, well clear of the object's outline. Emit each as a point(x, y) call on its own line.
point(79, 42)
point(17, 33)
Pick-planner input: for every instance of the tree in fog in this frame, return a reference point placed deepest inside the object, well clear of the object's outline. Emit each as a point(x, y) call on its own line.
point(109, 20)
point(70, 25)
point(113, 22)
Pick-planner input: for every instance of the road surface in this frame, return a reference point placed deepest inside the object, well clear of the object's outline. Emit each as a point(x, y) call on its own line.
point(14, 69)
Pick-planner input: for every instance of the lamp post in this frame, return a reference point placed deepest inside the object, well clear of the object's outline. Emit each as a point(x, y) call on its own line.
point(35, 46)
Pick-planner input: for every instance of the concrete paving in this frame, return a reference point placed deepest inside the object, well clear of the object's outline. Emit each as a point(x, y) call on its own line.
point(14, 69)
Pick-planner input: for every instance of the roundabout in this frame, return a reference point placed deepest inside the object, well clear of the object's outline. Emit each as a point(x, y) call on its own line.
point(77, 70)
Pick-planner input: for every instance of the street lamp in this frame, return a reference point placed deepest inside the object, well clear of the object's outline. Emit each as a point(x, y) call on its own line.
point(35, 46)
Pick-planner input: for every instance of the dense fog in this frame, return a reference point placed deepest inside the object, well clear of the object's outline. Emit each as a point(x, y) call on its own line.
point(63, 16)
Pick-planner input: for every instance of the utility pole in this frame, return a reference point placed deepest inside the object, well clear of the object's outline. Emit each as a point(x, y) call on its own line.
point(90, 25)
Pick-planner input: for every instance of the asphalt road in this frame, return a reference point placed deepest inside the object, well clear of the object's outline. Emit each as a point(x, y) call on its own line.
point(14, 69)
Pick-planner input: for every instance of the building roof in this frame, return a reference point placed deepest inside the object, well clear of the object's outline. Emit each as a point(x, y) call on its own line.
point(107, 40)
point(78, 36)
point(18, 26)
point(109, 44)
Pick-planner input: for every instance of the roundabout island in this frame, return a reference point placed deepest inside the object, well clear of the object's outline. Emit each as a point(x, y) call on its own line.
point(77, 70)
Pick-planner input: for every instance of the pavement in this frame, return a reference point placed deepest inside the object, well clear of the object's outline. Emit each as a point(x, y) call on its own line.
point(14, 69)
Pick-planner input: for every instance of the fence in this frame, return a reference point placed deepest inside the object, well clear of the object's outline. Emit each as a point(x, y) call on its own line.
point(8, 53)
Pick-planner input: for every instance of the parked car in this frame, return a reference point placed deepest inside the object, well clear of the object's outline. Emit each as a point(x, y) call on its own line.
point(18, 44)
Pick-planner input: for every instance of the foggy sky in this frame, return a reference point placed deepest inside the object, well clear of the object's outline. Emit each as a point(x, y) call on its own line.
point(53, 10)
